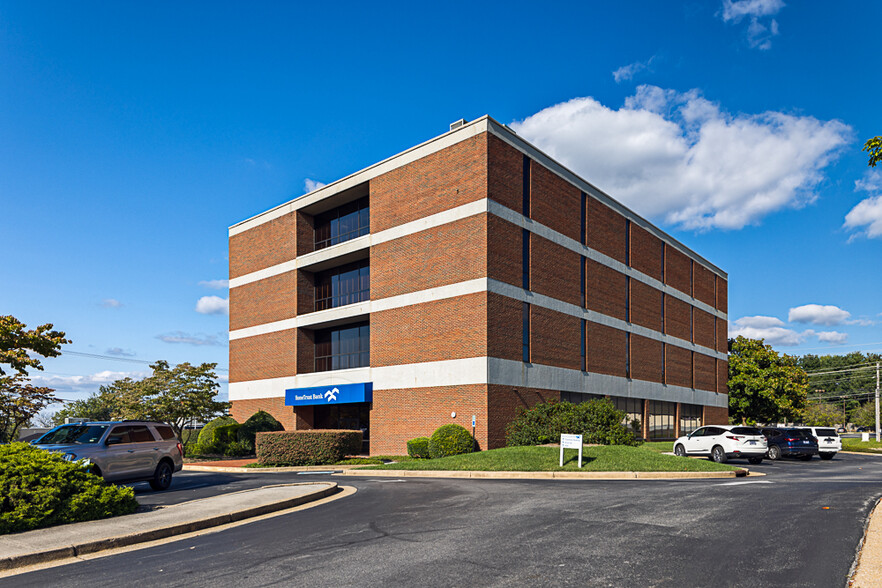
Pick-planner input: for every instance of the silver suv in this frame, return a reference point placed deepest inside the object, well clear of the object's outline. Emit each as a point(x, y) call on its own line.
point(120, 451)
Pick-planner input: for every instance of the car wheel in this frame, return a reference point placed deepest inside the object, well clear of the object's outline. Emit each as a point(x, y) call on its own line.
point(162, 477)
point(774, 452)
point(679, 450)
point(827, 455)
point(754, 460)
point(718, 455)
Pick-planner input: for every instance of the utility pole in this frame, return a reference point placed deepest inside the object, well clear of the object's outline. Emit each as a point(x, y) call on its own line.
point(877, 402)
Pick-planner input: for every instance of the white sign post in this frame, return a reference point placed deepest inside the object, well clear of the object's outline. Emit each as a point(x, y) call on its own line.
point(570, 442)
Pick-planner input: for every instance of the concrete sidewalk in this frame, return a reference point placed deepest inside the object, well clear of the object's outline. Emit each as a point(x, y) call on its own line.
point(66, 541)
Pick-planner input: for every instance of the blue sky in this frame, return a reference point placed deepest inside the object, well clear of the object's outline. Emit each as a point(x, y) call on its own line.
point(133, 134)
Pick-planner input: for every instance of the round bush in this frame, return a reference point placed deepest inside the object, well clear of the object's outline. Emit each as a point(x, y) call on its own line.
point(260, 422)
point(418, 448)
point(597, 421)
point(40, 489)
point(450, 440)
point(206, 435)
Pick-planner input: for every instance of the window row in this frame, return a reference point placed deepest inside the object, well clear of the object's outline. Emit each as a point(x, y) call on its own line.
point(343, 347)
point(342, 223)
point(661, 415)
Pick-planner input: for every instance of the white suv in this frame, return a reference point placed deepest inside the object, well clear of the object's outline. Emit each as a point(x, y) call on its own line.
point(722, 442)
point(829, 442)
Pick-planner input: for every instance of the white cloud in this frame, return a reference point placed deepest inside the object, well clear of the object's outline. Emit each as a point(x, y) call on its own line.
point(760, 322)
point(865, 219)
point(111, 303)
point(90, 381)
point(627, 72)
point(680, 158)
point(310, 185)
point(199, 339)
point(120, 352)
point(832, 337)
point(213, 305)
point(817, 314)
point(215, 284)
point(765, 327)
point(759, 30)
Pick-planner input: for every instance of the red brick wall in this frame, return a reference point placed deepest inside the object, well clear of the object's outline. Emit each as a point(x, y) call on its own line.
point(646, 359)
point(504, 402)
point(263, 246)
point(704, 328)
point(554, 339)
point(677, 318)
point(677, 270)
point(607, 290)
point(678, 371)
point(646, 252)
point(243, 409)
point(555, 202)
point(716, 415)
point(554, 271)
point(264, 301)
point(440, 181)
point(305, 230)
point(606, 230)
point(305, 351)
point(705, 372)
point(606, 350)
point(452, 328)
point(505, 173)
point(722, 294)
point(504, 327)
point(504, 247)
point(272, 355)
point(704, 284)
point(722, 334)
point(646, 304)
point(451, 253)
point(305, 292)
point(722, 376)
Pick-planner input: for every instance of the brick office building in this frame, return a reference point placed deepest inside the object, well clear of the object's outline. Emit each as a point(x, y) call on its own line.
point(469, 275)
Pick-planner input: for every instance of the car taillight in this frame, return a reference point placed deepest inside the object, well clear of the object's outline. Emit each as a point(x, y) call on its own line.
point(791, 439)
point(733, 437)
point(181, 449)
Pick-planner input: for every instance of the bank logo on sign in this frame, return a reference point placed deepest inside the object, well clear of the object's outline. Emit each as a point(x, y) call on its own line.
point(331, 395)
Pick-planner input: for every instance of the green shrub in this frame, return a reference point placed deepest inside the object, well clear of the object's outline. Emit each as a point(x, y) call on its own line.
point(597, 421)
point(311, 447)
point(450, 440)
point(40, 489)
point(206, 434)
point(418, 448)
point(261, 421)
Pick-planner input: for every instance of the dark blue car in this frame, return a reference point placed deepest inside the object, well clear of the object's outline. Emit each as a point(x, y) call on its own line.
point(790, 443)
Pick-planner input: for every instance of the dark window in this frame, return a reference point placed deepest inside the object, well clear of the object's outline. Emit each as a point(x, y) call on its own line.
point(661, 419)
point(343, 285)
point(583, 269)
point(664, 251)
point(715, 431)
point(121, 433)
point(343, 348)
point(633, 409)
point(165, 432)
point(342, 224)
point(627, 355)
point(664, 363)
point(826, 432)
point(582, 343)
point(525, 339)
point(745, 431)
point(627, 299)
point(73, 434)
point(628, 243)
point(141, 434)
point(584, 225)
point(663, 313)
point(692, 324)
point(578, 397)
point(690, 418)
point(692, 278)
point(526, 188)
point(525, 259)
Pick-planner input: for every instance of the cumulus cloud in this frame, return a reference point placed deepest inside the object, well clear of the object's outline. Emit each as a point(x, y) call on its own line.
point(817, 314)
point(215, 284)
point(111, 303)
point(680, 158)
point(832, 337)
point(865, 219)
point(120, 352)
point(90, 381)
point(627, 72)
point(769, 329)
point(213, 305)
point(310, 185)
point(760, 322)
point(198, 339)
point(761, 28)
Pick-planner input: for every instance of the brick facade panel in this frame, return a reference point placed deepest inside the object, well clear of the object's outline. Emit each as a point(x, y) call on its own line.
point(554, 339)
point(606, 350)
point(678, 371)
point(272, 355)
point(504, 247)
point(504, 404)
point(554, 270)
point(607, 290)
point(704, 284)
point(264, 301)
point(722, 295)
point(504, 327)
point(263, 246)
point(722, 376)
point(715, 415)
point(241, 410)
point(305, 230)
point(646, 252)
point(722, 336)
point(505, 173)
point(705, 372)
point(704, 328)
point(646, 306)
point(440, 181)
point(554, 202)
point(453, 328)
point(678, 271)
point(678, 318)
point(646, 359)
point(443, 255)
point(606, 230)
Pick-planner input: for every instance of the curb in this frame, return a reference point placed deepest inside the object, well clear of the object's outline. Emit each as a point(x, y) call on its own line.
point(280, 470)
point(86, 547)
point(547, 475)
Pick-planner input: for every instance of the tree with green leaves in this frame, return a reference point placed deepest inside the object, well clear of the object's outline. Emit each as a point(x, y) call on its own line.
point(822, 415)
point(20, 350)
point(99, 406)
point(764, 386)
point(874, 148)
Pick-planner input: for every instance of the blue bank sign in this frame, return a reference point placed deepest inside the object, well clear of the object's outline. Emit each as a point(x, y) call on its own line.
point(335, 394)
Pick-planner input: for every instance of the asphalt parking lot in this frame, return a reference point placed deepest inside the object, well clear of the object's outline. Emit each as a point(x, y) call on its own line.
point(799, 525)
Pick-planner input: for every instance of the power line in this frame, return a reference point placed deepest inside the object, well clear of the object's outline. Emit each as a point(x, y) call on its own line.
point(122, 359)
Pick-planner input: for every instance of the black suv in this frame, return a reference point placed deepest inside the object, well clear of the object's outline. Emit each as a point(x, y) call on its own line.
point(790, 442)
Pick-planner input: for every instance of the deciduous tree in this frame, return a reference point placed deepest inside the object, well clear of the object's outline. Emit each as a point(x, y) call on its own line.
point(874, 148)
point(764, 386)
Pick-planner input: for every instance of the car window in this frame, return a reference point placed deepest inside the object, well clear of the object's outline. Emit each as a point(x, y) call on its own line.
point(826, 432)
point(797, 433)
point(699, 432)
point(73, 435)
point(715, 431)
point(746, 431)
point(141, 434)
point(165, 432)
point(123, 433)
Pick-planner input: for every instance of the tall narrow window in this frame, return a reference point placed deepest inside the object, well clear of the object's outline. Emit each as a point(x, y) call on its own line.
point(692, 324)
point(627, 355)
point(526, 188)
point(583, 263)
point(692, 278)
point(628, 243)
point(525, 259)
point(692, 361)
point(526, 333)
point(584, 215)
point(583, 346)
point(627, 299)
point(664, 374)
point(664, 252)
point(663, 326)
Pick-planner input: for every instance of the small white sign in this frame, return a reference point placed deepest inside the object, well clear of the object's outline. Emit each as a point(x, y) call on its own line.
point(570, 442)
point(473, 421)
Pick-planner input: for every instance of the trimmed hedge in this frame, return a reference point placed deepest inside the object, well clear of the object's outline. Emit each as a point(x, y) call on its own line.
point(418, 448)
point(260, 421)
point(40, 489)
point(310, 447)
point(597, 421)
point(450, 440)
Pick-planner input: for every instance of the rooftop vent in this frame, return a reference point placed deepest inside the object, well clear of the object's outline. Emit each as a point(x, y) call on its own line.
point(457, 124)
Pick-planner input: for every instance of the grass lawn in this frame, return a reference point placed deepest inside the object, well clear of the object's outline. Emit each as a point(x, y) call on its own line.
point(611, 458)
point(659, 446)
point(852, 444)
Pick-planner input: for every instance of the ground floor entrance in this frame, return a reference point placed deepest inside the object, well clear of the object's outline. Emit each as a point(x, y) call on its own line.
point(354, 416)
